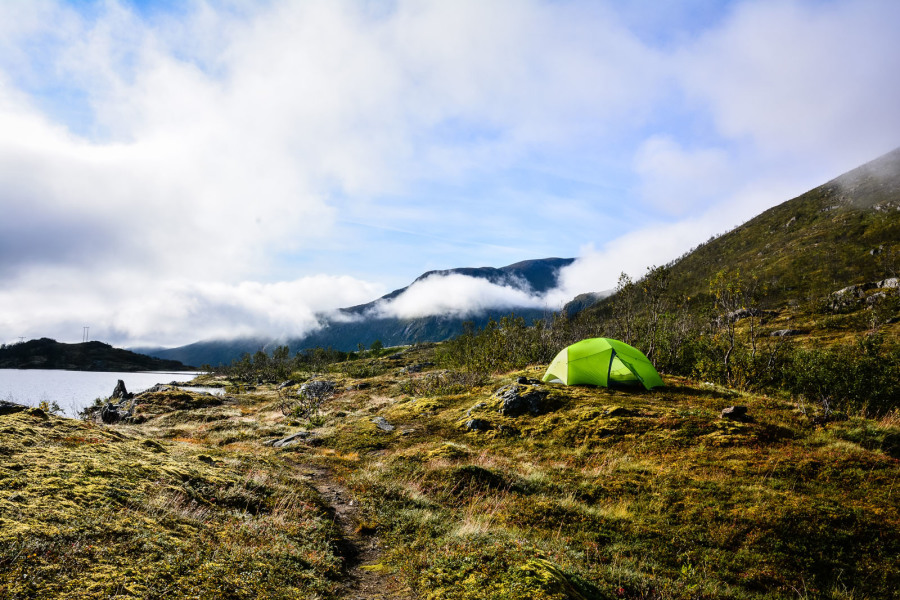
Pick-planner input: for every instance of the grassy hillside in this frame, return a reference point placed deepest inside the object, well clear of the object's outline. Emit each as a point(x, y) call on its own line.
point(596, 494)
point(844, 232)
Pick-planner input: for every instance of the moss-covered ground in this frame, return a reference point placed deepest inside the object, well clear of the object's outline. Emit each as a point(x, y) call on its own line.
point(605, 494)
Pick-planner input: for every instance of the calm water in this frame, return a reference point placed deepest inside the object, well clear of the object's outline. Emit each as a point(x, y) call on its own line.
point(73, 390)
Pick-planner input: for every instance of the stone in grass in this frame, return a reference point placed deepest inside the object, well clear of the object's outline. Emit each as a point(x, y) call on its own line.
point(289, 440)
point(477, 425)
point(382, 424)
point(515, 402)
point(736, 413)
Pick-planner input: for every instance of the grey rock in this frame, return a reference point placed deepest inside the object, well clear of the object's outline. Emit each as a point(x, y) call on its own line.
point(875, 298)
point(382, 424)
point(515, 402)
point(159, 387)
point(418, 367)
point(120, 393)
point(285, 384)
point(736, 413)
point(116, 413)
point(289, 440)
point(318, 389)
point(8, 408)
point(848, 296)
point(477, 425)
point(891, 283)
point(785, 333)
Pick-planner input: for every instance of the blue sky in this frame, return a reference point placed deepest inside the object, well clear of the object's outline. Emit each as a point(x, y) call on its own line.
point(175, 171)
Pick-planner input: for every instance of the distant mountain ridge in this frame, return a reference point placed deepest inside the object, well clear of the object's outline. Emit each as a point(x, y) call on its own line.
point(88, 356)
point(362, 324)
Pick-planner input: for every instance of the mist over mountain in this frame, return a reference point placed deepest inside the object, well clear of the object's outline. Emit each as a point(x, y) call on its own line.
point(432, 308)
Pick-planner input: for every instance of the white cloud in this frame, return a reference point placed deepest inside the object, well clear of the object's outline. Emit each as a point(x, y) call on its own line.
point(123, 308)
point(455, 295)
point(802, 78)
point(216, 141)
point(675, 180)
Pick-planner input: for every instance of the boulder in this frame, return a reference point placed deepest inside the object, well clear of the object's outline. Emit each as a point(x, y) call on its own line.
point(477, 425)
point(285, 384)
point(116, 413)
point(875, 298)
point(317, 390)
point(120, 393)
point(736, 413)
point(516, 401)
point(891, 282)
point(289, 440)
point(382, 424)
point(785, 333)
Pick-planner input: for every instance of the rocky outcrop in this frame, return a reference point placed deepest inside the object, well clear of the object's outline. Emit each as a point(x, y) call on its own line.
point(517, 400)
point(120, 393)
point(117, 412)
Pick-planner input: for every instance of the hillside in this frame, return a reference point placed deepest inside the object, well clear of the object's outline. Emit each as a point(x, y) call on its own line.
point(89, 356)
point(362, 324)
point(844, 232)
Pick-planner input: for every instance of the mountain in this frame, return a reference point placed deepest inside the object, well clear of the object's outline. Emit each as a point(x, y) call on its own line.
point(842, 233)
point(89, 356)
point(362, 324)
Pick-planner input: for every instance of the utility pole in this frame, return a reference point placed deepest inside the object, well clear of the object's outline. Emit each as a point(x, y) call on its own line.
point(84, 334)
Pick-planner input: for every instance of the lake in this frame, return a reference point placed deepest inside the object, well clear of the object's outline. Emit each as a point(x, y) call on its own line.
point(73, 390)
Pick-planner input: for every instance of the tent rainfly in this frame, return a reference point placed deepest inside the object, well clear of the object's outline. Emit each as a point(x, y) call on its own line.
point(602, 361)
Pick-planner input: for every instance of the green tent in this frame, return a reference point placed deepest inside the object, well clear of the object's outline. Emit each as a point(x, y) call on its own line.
point(602, 361)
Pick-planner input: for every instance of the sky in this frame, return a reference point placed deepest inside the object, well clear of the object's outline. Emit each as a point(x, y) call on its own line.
point(177, 171)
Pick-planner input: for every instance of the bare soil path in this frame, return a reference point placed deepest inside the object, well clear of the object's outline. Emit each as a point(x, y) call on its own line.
point(365, 580)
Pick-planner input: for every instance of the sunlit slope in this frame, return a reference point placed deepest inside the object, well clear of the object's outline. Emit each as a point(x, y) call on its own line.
point(844, 232)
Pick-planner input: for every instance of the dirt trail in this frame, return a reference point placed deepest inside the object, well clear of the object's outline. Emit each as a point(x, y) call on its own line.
point(361, 552)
